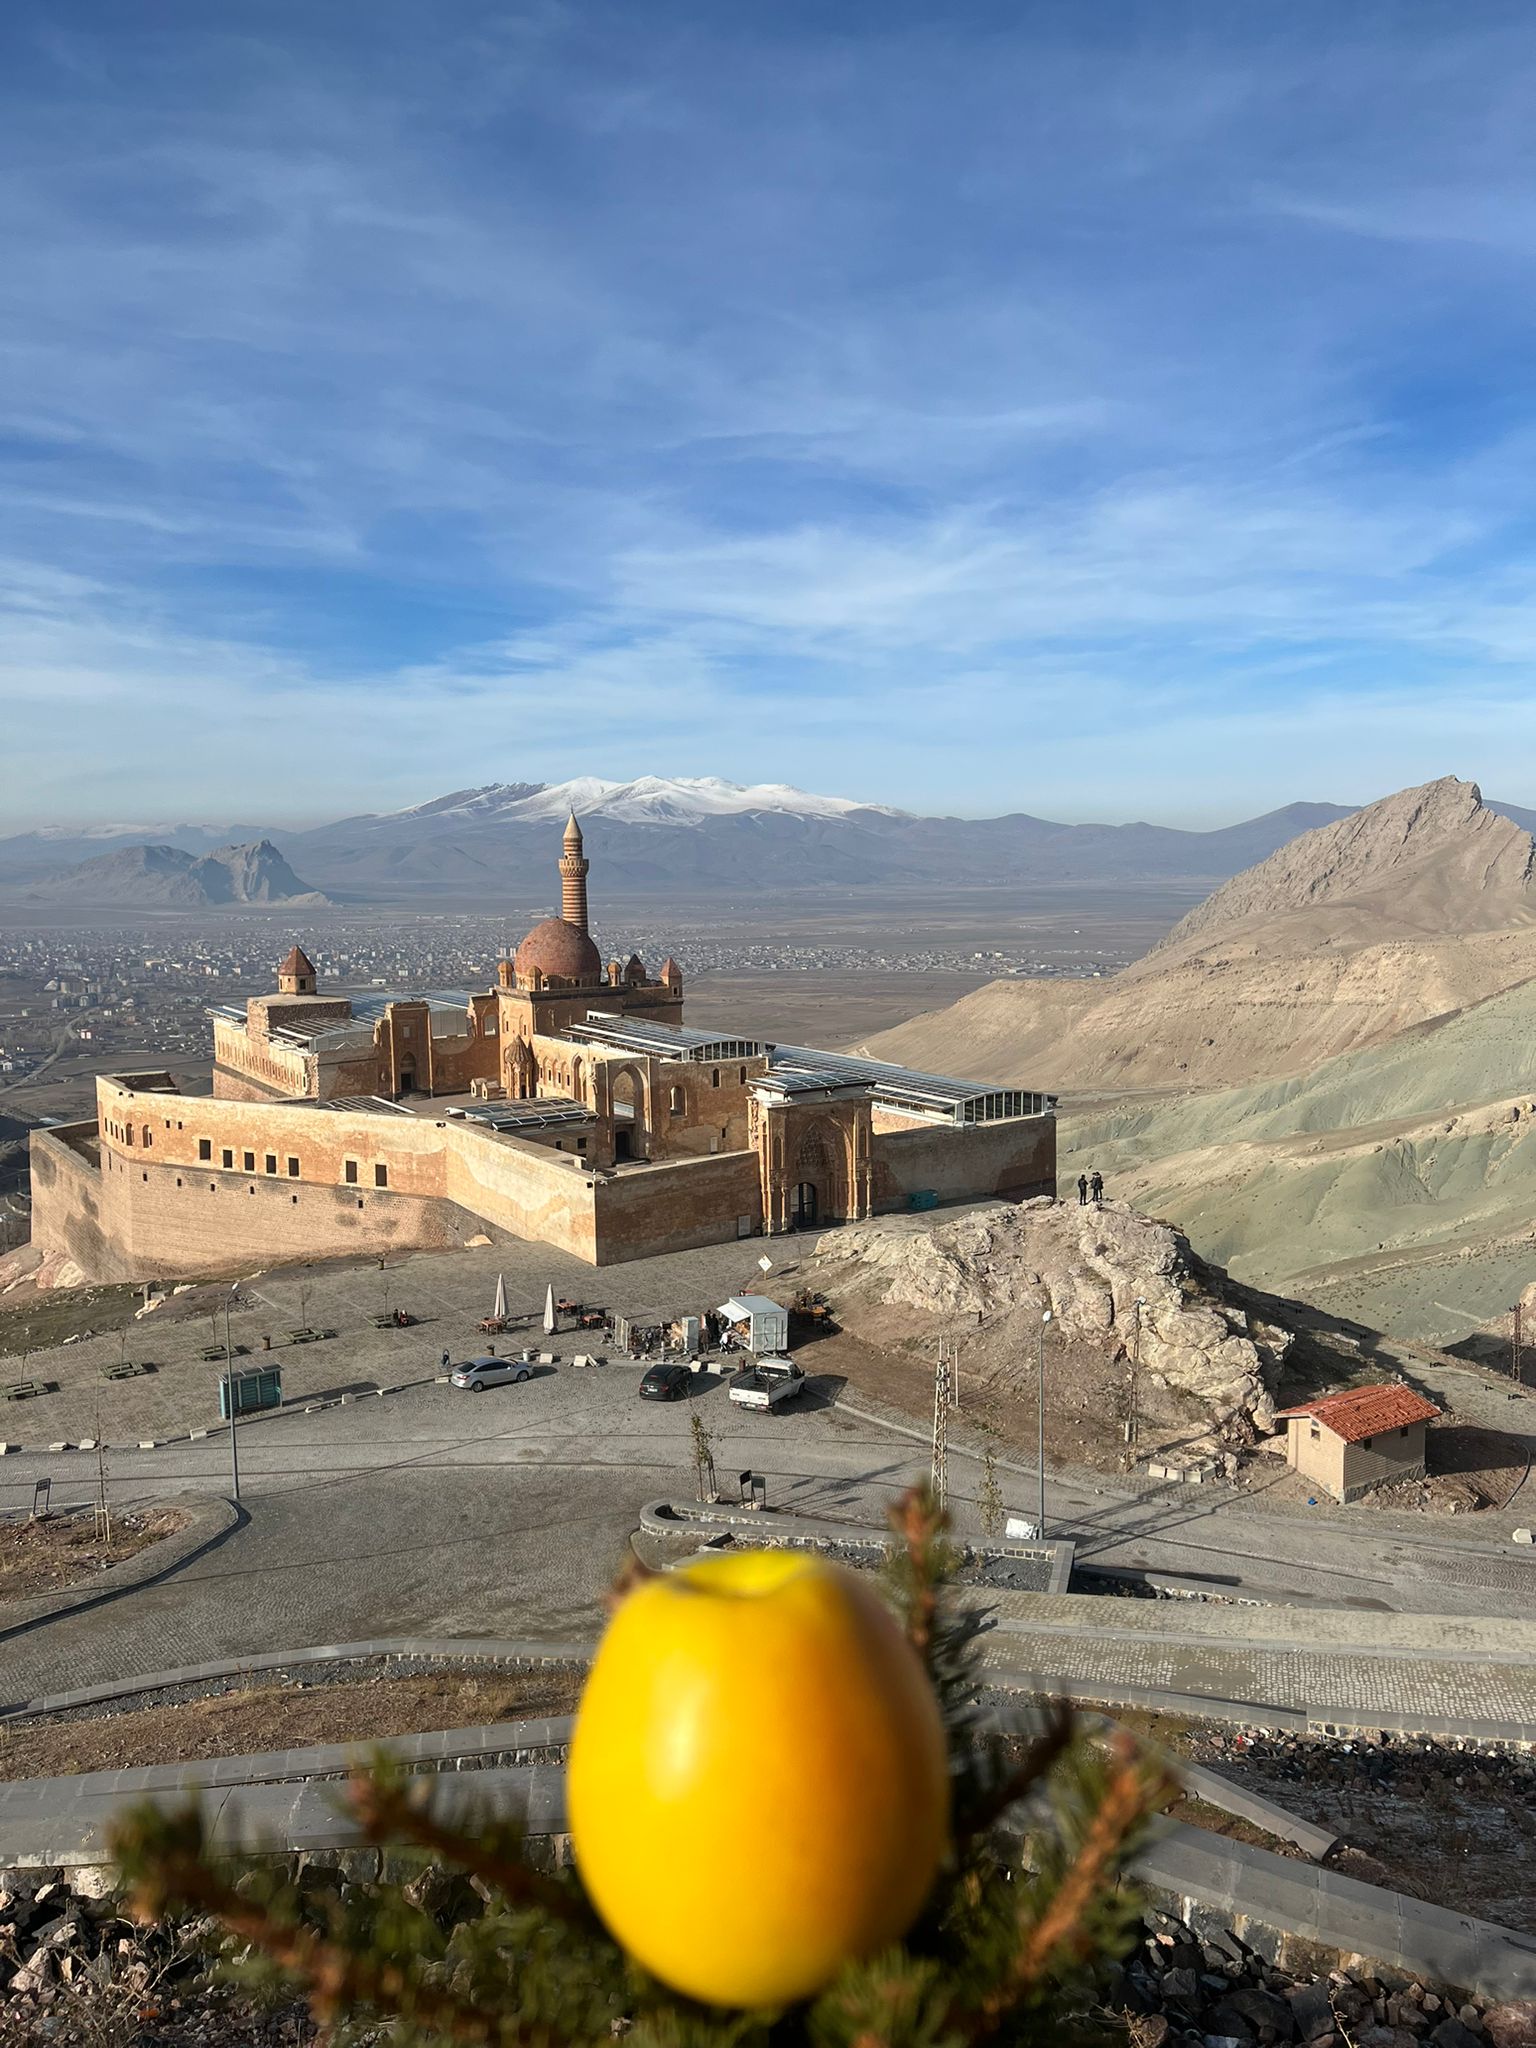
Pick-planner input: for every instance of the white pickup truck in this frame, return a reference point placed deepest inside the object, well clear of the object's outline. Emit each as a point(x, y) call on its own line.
point(768, 1384)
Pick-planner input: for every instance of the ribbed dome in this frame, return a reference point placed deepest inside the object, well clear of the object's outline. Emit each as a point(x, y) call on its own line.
point(559, 950)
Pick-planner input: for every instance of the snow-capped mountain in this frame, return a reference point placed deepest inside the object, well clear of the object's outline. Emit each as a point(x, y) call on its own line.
point(649, 800)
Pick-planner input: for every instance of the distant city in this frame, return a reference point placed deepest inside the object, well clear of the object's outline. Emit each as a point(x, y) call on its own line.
point(111, 988)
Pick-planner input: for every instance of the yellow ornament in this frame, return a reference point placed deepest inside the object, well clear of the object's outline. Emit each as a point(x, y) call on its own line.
point(758, 1788)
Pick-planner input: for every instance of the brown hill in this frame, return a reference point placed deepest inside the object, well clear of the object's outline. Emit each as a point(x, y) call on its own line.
point(1431, 860)
point(1418, 905)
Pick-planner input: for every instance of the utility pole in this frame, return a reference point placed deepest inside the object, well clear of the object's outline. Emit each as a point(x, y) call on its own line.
point(1040, 1425)
point(229, 1386)
point(943, 1394)
point(1514, 1346)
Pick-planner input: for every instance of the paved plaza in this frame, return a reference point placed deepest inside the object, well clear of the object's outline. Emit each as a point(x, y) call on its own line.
point(447, 1294)
point(435, 1512)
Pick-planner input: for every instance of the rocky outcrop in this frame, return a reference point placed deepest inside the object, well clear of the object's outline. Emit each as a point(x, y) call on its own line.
point(165, 877)
point(1091, 1268)
point(1432, 858)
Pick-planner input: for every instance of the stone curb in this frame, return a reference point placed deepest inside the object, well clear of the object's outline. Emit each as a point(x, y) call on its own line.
point(450, 1649)
point(43, 1803)
point(209, 1521)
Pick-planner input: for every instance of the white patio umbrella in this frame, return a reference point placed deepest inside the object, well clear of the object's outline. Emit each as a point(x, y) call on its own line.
point(500, 1310)
point(549, 1312)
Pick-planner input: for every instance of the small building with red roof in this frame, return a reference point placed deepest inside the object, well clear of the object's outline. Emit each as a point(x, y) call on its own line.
point(1351, 1442)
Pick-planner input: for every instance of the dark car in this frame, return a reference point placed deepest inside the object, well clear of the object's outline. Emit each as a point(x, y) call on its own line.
point(666, 1383)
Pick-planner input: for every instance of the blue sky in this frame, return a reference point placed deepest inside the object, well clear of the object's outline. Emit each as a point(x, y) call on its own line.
point(1105, 411)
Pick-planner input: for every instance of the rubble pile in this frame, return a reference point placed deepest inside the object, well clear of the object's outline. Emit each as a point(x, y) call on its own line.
point(1003, 1268)
point(74, 1972)
point(77, 1973)
point(1184, 1988)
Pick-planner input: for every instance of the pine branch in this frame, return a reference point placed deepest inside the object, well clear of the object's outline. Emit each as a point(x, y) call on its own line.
point(388, 1812)
point(919, 1522)
point(1065, 1933)
point(1022, 1779)
point(169, 1857)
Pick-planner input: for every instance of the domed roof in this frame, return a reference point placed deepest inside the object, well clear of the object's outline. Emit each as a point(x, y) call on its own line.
point(560, 950)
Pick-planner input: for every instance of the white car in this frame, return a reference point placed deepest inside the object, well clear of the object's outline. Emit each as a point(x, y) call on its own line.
point(479, 1373)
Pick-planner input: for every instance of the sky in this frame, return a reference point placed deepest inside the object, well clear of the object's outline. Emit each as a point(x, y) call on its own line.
point(1104, 411)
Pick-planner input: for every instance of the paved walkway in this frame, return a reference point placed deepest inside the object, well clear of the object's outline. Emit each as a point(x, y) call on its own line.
point(1428, 1687)
point(442, 1513)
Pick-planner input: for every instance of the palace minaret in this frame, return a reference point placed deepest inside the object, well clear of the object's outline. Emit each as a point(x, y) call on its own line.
point(573, 877)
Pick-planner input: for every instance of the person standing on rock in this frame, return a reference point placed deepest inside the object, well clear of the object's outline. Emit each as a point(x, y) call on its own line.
point(1082, 1190)
point(1096, 1187)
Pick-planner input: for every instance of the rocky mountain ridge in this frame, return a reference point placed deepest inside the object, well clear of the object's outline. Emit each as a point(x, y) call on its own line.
point(701, 836)
point(1435, 859)
point(169, 877)
point(1414, 907)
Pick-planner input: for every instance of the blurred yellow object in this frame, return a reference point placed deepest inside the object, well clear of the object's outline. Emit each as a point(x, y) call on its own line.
point(758, 1787)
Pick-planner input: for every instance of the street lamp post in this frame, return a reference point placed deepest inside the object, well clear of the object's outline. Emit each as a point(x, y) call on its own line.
point(229, 1388)
point(1040, 1423)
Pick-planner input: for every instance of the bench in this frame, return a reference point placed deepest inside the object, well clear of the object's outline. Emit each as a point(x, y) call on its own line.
point(21, 1390)
point(128, 1370)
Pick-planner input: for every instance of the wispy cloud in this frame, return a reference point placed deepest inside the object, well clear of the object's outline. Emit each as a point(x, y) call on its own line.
point(1080, 411)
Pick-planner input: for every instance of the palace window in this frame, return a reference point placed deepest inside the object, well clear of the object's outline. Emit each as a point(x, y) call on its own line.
point(248, 1161)
point(381, 1176)
point(293, 1167)
point(714, 1077)
point(226, 1157)
point(679, 1102)
point(146, 1136)
point(349, 1172)
point(205, 1148)
point(271, 1162)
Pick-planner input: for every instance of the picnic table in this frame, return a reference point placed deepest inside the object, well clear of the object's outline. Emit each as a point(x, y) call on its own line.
point(306, 1336)
point(21, 1390)
point(210, 1352)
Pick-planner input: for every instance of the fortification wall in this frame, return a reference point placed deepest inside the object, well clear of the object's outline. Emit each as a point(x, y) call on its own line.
point(677, 1206)
point(527, 1189)
point(72, 1201)
point(1014, 1159)
point(275, 1183)
point(171, 1224)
